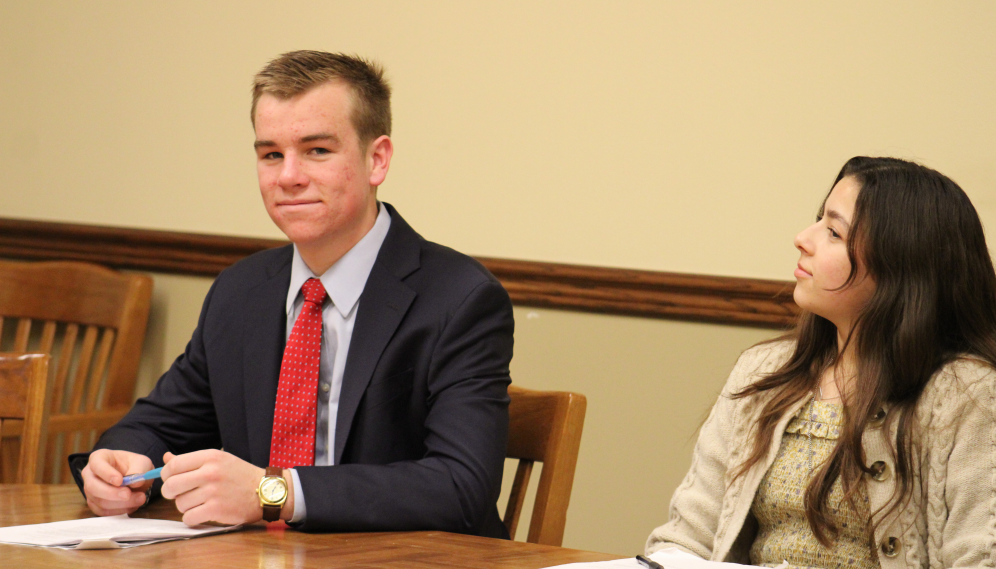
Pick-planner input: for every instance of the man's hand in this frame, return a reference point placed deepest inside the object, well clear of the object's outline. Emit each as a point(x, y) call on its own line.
point(104, 473)
point(215, 486)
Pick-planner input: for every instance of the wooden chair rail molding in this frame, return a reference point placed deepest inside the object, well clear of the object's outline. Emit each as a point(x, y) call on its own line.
point(725, 300)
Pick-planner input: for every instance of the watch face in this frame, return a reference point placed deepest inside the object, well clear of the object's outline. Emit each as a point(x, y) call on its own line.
point(273, 490)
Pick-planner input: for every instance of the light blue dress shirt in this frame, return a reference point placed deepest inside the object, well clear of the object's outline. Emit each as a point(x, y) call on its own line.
point(344, 283)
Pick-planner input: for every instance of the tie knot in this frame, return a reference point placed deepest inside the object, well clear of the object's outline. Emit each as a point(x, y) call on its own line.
point(314, 291)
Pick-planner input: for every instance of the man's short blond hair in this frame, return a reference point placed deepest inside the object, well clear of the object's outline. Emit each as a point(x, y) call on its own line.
point(296, 72)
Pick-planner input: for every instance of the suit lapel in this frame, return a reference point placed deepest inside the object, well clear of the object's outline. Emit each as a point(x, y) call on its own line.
point(383, 305)
point(266, 321)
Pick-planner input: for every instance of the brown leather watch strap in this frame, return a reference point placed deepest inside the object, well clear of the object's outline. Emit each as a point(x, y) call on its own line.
point(271, 513)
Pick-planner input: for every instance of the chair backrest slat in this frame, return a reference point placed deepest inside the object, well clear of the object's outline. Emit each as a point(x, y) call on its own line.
point(22, 335)
point(52, 470)
point(64, 365)
point(58, 442)
point(71, 443)
point(83, 359)
point(517, 498)
point(93, 390)
point(47, 337)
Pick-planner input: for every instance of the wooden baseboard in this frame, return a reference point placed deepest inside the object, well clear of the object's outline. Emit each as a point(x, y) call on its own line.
point(725, 300)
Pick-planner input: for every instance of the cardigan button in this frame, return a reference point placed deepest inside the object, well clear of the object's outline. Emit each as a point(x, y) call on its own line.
point(890, 547)
point(879, 470)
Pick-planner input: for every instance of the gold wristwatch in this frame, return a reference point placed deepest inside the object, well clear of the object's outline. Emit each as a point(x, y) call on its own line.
point(272, 493)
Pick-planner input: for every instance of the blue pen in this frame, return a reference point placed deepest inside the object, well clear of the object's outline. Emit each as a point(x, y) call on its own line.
point(133, 478)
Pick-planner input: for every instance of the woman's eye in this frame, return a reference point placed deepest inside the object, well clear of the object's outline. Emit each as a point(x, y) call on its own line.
point(834, 234)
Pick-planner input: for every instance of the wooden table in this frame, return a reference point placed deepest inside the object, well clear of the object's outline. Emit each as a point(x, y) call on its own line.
point(260, 547)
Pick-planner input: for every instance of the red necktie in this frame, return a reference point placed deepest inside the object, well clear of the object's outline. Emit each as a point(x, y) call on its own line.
point(293, 442)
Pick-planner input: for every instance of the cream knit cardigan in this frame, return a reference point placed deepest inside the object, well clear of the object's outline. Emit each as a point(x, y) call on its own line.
point(953, 523)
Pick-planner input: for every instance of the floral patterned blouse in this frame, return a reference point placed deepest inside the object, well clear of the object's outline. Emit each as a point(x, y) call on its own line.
point(784, 533)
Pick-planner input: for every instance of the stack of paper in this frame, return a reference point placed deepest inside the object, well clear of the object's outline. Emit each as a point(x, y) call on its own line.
point(670, 558)
point(112, 532)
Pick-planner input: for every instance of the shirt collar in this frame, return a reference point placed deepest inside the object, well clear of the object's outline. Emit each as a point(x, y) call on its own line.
point(345, 280)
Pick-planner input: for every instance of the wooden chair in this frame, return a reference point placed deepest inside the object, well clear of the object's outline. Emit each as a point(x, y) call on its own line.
point(23, 383)
point(92, 321)
point(545, 426)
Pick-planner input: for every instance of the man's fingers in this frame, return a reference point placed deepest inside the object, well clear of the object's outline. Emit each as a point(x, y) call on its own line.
point(201, 505)
point(111, 466)
point(178, 464)
point(179, 483)
point(111, 497)
point(98, 488)
point(141, 486)
point(192, 499)
point(210, 510)
point(109, 494)
point(212, 485)
point(104, 466)
point(197, 516)
point(103, 507)
point(101, 476)
point(133, 502)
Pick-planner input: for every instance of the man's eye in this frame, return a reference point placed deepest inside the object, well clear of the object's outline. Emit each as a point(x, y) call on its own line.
point(319, 150)
point(272, 156)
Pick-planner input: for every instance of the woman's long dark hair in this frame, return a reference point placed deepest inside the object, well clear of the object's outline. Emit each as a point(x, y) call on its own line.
point(920, 239)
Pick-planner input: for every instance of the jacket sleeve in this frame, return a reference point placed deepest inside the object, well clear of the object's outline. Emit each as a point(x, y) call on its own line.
point(965, 487)
point(455, 484)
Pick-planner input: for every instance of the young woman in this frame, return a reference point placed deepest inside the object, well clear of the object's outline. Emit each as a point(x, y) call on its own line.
point(867, 437)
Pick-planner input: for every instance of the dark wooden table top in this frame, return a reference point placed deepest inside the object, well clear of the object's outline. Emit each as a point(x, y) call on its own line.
point(263, 547)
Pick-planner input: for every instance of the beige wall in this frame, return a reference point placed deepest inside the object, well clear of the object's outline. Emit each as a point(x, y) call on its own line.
point(693, 137)
point(679, 136)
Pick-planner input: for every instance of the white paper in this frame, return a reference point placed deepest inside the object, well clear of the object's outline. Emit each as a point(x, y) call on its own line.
point(110, 532)
point(674, 558)
point(628, 563)
point(670, 558)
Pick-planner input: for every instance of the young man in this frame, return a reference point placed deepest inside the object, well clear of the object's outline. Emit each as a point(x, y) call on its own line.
point(353, 381)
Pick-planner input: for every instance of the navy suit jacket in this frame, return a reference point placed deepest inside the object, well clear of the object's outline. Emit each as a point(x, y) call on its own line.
point(422, 424)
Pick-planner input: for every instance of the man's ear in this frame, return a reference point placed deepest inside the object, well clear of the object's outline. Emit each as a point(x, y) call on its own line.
point(379, 159)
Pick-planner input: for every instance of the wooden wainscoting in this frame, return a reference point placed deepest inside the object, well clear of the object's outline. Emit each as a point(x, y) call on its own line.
point(725, 300)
